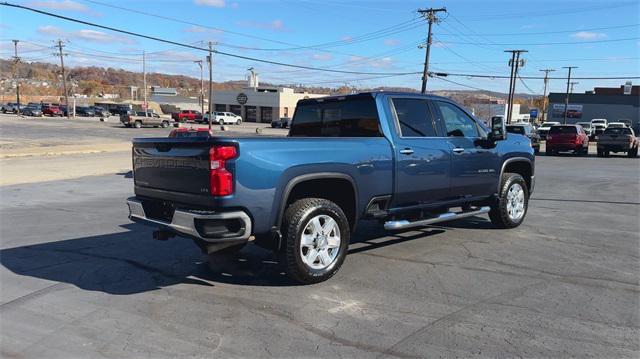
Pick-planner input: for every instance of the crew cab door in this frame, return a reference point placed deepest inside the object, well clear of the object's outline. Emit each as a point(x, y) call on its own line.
point(422, 158)
point(474, 164)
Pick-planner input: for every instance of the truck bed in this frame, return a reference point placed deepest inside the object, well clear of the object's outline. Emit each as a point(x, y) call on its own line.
point(177, 169)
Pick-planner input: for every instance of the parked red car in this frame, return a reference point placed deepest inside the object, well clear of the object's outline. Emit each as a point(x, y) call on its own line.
point(51, 110)
point(187, 115)
point(567, 138)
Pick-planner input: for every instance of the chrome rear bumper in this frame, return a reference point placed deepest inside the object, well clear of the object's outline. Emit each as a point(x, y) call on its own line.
point(184, 222)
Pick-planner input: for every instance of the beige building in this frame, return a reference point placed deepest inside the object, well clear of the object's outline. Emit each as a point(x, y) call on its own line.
point(259, 104)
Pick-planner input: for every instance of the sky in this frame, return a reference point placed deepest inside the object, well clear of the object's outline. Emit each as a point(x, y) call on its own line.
point(377, 38)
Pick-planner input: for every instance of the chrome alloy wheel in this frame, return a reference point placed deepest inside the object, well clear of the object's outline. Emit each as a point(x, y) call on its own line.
point(515, 202)
point(320, 242)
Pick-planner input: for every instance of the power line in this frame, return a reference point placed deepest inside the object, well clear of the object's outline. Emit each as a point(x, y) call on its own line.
point(365, 37)
point(546, 12)
point(537, 77)
point(131, 33)
point(546, 43)
point(543, 32)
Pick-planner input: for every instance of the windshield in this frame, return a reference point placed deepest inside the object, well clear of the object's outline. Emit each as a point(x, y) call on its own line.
point(584, 124)
point(516, 129)
point(563, 130)
point(617, 131)
point(598, 121)
point(548, 124)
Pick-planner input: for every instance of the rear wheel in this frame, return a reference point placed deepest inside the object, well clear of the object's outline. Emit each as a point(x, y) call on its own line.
point(511, 206)
point(316, 232)
point(633, 152)
point(165, 124)
point(549, 152)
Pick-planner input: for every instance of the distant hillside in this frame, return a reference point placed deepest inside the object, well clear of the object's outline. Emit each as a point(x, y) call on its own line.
point(39, 78)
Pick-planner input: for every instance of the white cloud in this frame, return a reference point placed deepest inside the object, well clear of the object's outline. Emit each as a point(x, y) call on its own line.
point(50, 30)
point(84, 35)
point(66, 5)
point(392, 42)
point(322, 57)
point(212, 3)
point(587, 35)
point(275, 25)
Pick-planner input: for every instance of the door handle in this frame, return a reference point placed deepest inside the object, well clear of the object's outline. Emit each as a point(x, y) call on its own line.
point(406, 151)
point(458, 150)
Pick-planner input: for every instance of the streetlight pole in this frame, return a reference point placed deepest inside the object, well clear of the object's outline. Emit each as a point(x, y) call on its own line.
point(210, 60)
point(16, 61)
point(544, 99)
point(566, 97)
point(199, 62)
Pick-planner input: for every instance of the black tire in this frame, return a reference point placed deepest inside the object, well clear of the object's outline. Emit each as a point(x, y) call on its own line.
point(137, 124)
point(600, 153)
point(296, 218)
point(548, 152)
point(633, 152)
point(165, 124)
point(499, 212)
point(607, 153)
point(238, 122)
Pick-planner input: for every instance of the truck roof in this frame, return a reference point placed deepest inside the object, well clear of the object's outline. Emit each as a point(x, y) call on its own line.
point(369, 94)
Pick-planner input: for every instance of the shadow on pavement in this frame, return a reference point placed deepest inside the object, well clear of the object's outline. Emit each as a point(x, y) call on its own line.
point(132, 262)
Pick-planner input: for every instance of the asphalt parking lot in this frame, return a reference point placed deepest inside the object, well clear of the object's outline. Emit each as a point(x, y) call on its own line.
point(78, 279)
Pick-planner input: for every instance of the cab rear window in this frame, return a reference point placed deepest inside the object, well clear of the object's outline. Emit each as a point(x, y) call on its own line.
point(347, 117)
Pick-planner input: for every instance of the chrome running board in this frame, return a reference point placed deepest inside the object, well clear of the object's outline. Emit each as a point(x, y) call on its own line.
point(449, 216)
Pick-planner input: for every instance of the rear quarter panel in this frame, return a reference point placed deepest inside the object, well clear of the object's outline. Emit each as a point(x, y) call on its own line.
point(266, 165)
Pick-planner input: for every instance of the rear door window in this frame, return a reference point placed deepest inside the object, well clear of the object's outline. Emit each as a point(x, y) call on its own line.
point(414, 117)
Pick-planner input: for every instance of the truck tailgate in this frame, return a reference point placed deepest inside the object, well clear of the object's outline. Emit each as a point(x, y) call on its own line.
point(176, 165)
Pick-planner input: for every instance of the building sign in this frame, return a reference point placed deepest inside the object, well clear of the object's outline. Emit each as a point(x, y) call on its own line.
point(573, 111)
point(242, 98)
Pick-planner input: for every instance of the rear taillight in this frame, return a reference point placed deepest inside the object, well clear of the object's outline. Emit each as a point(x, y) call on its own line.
point(221, 179)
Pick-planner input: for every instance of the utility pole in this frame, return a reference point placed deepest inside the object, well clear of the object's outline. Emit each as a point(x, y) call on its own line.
point(515, 64)
point(544, 99)
point(571, 89)
point(566, 97)
point(144, 82)
point(16, 61)
point(199, 62)
point(64, 78)
point(210, 60)
point(430, 15)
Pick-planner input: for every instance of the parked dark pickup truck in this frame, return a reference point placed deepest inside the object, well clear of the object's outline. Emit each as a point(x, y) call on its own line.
point(406, 160)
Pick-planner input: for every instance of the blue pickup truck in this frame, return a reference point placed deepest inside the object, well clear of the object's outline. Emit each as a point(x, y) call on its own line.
point(403, 159)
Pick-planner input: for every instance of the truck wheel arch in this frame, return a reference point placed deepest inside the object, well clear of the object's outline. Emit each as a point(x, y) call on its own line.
point(349, 203)
point(521, 165)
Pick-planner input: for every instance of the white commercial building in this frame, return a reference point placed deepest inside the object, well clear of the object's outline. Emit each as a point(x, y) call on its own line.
point(260, 104)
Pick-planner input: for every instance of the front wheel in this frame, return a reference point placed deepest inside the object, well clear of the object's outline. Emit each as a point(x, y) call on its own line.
point(238, 122)
point(137, 124)
point(316, 233)
point(512, 203)
point(633, 152)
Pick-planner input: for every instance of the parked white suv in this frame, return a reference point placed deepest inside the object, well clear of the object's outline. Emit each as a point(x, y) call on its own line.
point(225, 118)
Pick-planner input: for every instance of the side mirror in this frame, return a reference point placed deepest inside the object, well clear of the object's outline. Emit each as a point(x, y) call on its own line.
point(498, 129)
